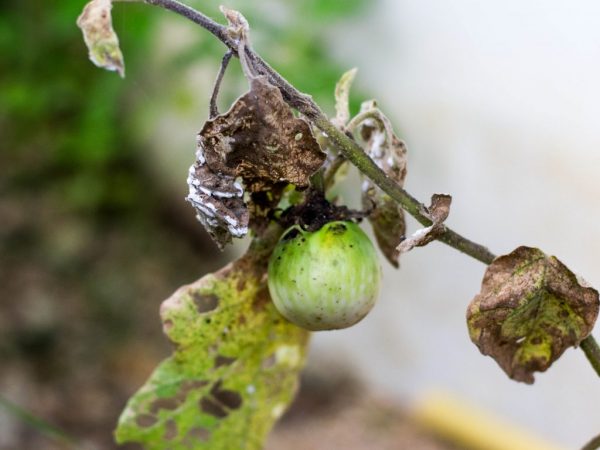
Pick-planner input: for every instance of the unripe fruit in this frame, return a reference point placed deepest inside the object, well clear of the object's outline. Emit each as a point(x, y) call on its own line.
point(327, 279)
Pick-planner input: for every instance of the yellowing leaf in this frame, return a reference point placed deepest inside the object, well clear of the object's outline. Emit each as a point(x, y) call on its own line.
point(103, 44)
point(531, 308)
point(234, 370)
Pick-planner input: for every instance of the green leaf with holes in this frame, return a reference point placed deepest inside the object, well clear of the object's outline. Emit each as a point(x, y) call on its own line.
point(531, 308)
point(234, 370)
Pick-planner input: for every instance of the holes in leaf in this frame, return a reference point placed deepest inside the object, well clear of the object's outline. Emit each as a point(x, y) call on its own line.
point(210, 406)
point(146, 420)
point(221, 360)
point(230, 399)
point(205, 303)
point(220, 401)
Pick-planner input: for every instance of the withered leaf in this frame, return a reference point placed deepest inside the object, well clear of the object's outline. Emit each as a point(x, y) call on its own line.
point(219, 203)
point(437, 212)
point(389, 153)
point(103, 44)
point(342, 98)
point(531, 308)
point(261, 141)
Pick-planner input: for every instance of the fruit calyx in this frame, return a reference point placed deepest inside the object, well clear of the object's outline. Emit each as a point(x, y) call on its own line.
point(316, 211)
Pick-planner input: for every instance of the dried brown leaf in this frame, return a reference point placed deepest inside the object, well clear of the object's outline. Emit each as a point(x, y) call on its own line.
point(389, 153)
point(437, 212)
point(219, 203)
point(342, 98)
point(531, 308)
point(260, 140)
point(103, 44)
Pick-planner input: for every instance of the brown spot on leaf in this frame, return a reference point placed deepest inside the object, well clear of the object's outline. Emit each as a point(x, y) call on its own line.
point(164, 403)
point(221, 361)
point(146, 420)
point(198, 434)
point(205, 303)
point(170, 430)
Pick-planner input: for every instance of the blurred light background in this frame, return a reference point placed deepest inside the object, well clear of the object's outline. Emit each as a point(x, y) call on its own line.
point(496, 101)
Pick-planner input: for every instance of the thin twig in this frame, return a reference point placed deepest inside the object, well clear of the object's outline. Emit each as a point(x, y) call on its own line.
point(593, 444)
point(214, 110)
point(592, 352)
point(348, 147)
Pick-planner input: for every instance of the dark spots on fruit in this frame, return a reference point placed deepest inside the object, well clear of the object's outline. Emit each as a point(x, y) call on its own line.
point(536, 340)
point(205, 303)
point(338, 228)
point(207, 320)
point(146, 420)
point(279, 258)
point(351, 245)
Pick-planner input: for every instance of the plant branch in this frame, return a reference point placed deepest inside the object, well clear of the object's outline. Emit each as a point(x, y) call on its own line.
point(347, 146)
point(593, 444)
point(214, 110)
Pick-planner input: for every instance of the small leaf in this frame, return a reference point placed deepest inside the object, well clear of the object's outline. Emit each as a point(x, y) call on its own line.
point(260, 140)
point(102, 42)
point(389, 153)
point(437, 212)
point(342, 96)
point(234, 370)
point(531, 308)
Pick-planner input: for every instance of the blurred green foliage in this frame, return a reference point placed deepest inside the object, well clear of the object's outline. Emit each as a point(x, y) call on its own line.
point(89, 242)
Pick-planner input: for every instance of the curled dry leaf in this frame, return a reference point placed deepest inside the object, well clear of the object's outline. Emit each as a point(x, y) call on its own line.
point(437, 212)
point(258, 141)
point(531, 308)
point(389, 153)
point(342, 98)
point(219, 203)
point(102, 42)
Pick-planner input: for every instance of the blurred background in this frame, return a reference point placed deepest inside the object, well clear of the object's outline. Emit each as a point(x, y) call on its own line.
point(498, 104)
